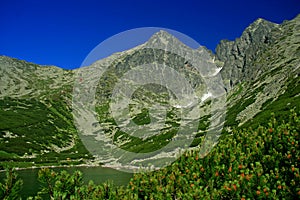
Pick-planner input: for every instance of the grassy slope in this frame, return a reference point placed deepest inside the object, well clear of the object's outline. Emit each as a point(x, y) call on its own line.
point(34, 128)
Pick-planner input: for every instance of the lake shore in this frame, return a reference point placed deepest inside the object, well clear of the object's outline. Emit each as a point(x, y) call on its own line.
point(90, 163)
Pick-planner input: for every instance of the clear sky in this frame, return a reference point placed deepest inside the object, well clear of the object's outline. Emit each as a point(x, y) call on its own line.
point(62, 33)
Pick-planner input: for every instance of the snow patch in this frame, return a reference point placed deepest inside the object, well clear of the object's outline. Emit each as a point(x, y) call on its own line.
point(206, 96)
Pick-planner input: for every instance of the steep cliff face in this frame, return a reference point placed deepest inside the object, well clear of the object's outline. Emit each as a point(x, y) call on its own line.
point(267, 74)
point(237, 56)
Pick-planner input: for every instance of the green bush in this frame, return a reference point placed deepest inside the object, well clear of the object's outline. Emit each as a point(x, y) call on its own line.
point(11, 187)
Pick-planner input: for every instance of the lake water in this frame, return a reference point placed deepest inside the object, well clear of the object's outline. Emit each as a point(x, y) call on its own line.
point(97, 174)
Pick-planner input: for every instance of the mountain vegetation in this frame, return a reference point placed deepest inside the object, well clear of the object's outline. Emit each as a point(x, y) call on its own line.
point(262, 163)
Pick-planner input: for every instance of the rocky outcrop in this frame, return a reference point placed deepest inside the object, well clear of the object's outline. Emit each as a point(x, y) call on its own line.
point(238, 55)
point(265, 73)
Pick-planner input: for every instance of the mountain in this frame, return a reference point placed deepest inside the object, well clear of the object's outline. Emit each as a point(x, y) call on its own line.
point(145, 81)
point(238, 55)
point(36, 122)
point(265, 75)
point(260, 72)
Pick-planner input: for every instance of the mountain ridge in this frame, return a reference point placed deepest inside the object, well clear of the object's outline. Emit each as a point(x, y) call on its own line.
point(260, 71)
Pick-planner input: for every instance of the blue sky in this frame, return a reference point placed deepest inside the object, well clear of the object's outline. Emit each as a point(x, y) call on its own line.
point(62, 33)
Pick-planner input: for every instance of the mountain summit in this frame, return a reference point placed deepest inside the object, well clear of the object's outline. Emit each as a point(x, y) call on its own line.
point(162, 37)
point(239, 57)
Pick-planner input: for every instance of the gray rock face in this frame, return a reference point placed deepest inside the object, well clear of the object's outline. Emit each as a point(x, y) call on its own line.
point(264, 73)
point(237, 55)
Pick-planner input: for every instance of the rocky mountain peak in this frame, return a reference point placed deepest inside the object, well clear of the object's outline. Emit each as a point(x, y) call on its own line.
point(162, 35)
point(258, 31)
point(261, 23)
point(163, 39)
point(237, 55)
